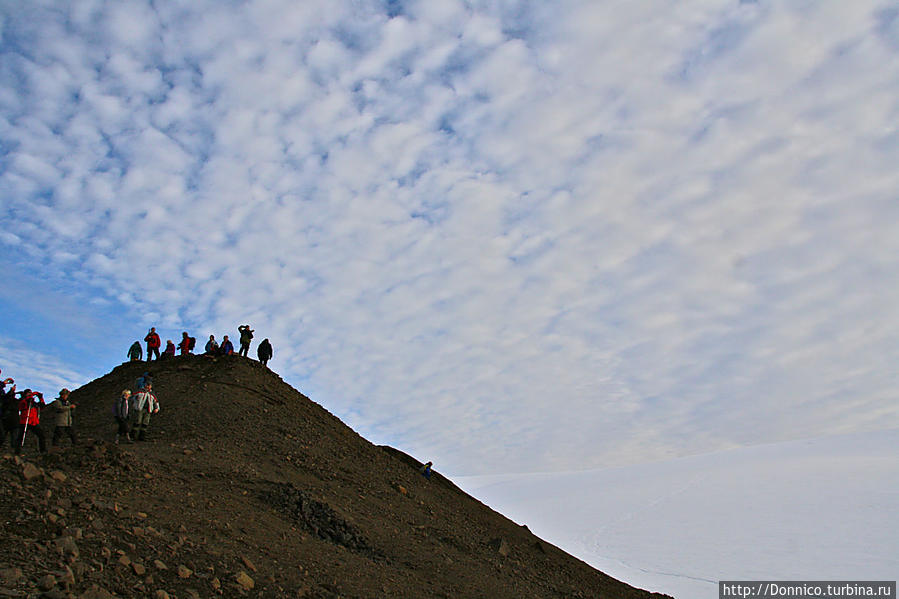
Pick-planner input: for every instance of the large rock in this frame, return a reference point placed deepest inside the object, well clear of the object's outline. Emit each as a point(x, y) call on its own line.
point(243, 579)
point(30, 471)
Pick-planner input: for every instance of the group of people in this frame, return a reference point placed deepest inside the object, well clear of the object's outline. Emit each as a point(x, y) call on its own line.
point(212, 348)
point(133, 411)
point(20, 414)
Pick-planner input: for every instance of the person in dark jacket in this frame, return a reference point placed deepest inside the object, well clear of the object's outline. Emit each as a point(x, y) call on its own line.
point(227, 348)
point(212, 346)
point(30, 405)
point(246, 336)
point(153, 343)
point(135, 352)
point(9, 413)
point(264, 351)
point(121, 410)
point(169, 350)
point(65, 423)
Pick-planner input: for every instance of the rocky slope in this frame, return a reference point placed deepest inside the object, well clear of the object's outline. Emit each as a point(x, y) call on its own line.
point(245, 487)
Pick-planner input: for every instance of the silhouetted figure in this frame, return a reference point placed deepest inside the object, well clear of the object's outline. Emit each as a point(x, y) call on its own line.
point(135, 352)
point(426, 470)
point(264, 351)
point(246, 336)
point(212, 346)
point(9, 413)
point(169, 351)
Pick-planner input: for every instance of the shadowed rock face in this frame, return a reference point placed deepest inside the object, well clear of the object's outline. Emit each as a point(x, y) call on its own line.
point(245, 487)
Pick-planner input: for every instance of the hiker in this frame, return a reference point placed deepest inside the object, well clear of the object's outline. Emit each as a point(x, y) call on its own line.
point(30, 405)
point(187, 344)
point(64, 421)
point(143, 405)
point(226, 348)
point(121, 410)
point(9, 413)
point(135, 352)
point(426, 470)
point(169, 350)
point(143, 380)
point(153, 343)
point(246, 336)
point(212, 346)
point(264, 351)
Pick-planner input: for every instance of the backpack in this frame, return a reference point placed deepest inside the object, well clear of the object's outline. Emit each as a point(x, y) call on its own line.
point(191, 343)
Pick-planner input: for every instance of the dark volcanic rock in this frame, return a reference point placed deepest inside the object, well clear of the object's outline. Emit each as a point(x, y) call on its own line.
point(245, 487)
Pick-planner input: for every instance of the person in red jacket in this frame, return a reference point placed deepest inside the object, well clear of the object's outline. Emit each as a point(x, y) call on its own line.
point(153, 343)
point(30, 406)
point(185, 345)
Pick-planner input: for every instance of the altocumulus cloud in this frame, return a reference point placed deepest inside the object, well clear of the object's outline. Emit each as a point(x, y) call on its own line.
point(501, 235)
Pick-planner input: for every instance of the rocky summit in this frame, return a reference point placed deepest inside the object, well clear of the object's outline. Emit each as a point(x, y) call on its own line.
point(244, 487)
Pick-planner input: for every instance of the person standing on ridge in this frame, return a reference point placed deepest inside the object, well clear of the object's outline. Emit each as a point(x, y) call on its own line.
point(246, 336)
point(121, 411)
point(64, 421)
point(30, 406)
point(135, 352)
point(212, 346)
point(143, 405)
point(9, 413)
point(153, 343)
point(264, 351)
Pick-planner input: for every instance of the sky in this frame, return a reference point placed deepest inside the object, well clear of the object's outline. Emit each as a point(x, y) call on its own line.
point(505, 236)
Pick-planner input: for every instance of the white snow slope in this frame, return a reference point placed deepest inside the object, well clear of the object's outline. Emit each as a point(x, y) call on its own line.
point(819, 509)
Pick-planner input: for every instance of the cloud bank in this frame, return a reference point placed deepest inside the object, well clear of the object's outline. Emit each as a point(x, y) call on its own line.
point(507, 236)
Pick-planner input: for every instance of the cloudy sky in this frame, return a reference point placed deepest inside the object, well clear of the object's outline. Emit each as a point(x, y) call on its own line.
point(504, 235)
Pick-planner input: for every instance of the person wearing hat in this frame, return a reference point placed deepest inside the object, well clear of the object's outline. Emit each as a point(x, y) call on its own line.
point(264, 351)
point(64, 421)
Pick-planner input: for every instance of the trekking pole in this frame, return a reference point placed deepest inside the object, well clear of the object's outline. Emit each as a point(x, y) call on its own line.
point(27, 418)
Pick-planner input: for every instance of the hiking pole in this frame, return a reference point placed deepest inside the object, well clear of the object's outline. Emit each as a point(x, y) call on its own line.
point(25, 430)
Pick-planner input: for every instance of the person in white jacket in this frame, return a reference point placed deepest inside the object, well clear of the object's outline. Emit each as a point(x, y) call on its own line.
point(143, 405)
